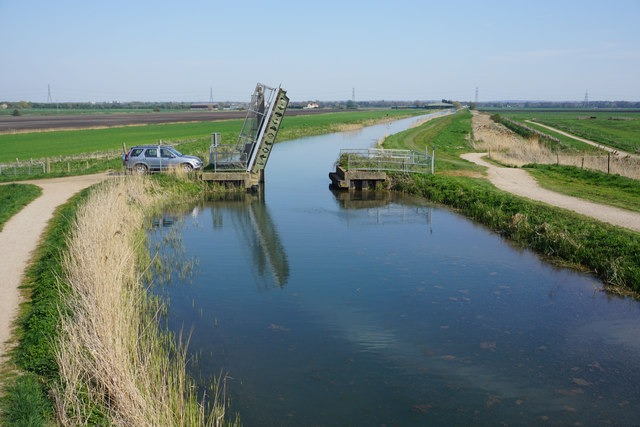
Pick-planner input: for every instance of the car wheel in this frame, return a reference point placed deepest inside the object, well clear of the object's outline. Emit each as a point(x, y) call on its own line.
point(187, 167)
point(141, 169)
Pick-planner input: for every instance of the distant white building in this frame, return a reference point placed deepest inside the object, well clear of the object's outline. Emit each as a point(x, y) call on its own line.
point(3, 106)
point(310, 106)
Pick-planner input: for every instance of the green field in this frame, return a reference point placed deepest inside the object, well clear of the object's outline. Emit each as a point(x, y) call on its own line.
point(39, 145)
point(14, 197)
point(615, 129)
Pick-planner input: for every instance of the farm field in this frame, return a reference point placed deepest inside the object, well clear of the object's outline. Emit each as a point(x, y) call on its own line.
point(616, 129)
point(87, 119)
point(39, 145)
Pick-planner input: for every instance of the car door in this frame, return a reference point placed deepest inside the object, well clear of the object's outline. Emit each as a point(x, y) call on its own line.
point(151, 158)
point(167, 159)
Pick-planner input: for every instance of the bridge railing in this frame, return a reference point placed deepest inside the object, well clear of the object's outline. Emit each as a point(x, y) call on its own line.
point(378, 159)
point(227, 158)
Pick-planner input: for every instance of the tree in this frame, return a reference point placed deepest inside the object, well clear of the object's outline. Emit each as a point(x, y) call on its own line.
point(16, 112)
point(472, 106)
point(456, 105)
point(351, 105)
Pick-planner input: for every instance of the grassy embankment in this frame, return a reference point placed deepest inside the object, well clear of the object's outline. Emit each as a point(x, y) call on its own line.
point(13, 197)
point(89, 341)
point(612, 253)
point(97, 150)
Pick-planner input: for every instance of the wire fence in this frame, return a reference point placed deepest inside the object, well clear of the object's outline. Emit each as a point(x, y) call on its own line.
point(22, 168)
point(377, 159)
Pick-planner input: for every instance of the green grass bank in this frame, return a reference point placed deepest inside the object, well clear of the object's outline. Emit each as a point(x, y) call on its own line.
point(611, 253)
point(13, 197)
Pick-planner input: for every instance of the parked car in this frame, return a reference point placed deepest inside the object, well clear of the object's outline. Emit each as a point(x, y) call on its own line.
point(144, 159)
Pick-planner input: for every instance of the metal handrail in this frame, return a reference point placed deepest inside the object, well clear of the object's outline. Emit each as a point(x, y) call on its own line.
point(392, 160)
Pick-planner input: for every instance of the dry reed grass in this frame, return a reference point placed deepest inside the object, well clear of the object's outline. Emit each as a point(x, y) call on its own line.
point(113, 358)
point(508, 148)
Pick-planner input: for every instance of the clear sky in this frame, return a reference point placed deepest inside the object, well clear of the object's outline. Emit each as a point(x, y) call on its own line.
point(394, 50)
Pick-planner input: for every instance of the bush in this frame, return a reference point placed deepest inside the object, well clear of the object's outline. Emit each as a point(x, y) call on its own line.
point(16, 112)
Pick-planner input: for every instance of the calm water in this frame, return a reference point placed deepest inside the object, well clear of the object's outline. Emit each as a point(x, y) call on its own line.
point(338, 309)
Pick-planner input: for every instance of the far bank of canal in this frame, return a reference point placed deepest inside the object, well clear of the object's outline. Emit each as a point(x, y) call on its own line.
point(334, 309)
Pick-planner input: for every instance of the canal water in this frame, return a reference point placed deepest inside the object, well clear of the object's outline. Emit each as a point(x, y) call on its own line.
point(376, 309)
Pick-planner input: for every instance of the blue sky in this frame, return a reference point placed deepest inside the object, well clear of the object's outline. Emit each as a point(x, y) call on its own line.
point(393, 50)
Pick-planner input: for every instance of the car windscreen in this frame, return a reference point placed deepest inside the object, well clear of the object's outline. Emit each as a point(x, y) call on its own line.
point(167, 153)
point(174, 151)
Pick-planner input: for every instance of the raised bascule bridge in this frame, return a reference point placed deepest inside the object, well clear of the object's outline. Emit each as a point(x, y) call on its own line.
point(243, 163)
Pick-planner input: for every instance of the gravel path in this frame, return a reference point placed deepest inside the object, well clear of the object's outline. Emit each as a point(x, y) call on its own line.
point(521, 183)
point(21, 235)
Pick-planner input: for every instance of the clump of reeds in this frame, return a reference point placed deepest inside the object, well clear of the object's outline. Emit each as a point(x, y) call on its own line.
point(116, 365)
point(506, 147)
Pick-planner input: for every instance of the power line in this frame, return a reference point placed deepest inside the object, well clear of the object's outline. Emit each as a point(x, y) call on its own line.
point(353, 94)
point(476, 94)
point(49, 100)
point(211, 95)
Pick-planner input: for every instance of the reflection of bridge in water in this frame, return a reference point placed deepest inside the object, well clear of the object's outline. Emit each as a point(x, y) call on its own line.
point(383, 206)
point(254, 226)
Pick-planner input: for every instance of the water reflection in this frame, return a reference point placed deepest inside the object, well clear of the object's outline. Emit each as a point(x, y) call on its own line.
point(254, 227)
point(383, 206)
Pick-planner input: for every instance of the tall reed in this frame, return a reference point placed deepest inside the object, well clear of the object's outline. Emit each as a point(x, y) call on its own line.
point(116, 365)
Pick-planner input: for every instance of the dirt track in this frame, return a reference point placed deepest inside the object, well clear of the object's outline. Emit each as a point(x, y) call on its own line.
point(20, 237)
point(519, 182)
point(10, 124)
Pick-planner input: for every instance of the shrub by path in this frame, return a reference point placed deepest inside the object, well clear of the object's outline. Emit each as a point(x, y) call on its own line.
point(521, 183)
point(20, 237)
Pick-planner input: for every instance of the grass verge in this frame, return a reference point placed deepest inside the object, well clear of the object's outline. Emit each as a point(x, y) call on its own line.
point(612, 253)
point(599, 187)
point(13, 197)
point(89, 340)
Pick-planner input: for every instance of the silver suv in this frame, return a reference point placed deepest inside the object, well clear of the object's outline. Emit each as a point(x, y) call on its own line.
point(144, 159)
